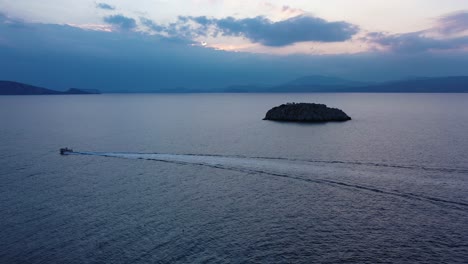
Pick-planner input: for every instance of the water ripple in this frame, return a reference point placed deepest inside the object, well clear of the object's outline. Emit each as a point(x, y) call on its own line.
point(285, 168)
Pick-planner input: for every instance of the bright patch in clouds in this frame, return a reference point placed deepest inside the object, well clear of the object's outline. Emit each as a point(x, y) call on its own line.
point(95, 27)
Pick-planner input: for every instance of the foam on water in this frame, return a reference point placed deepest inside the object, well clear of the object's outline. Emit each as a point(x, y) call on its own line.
point(335, 173)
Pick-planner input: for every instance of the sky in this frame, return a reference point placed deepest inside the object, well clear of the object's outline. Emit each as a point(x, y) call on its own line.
point(146, 45)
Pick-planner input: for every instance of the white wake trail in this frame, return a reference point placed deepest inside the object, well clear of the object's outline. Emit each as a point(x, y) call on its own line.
point(384, 180)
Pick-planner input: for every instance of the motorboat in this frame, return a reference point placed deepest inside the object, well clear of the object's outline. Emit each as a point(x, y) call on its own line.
point(65, 151)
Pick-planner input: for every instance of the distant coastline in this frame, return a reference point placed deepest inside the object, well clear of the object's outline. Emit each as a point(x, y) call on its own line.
point(325, 84)
point(307, 84)
point(16, 88)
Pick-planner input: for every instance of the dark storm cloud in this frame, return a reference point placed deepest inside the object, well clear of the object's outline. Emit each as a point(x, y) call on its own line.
point(104, 6)
point(123, 22)
point(264, 31)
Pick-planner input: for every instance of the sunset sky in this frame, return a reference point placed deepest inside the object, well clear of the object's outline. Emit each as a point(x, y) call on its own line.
point(115, 44)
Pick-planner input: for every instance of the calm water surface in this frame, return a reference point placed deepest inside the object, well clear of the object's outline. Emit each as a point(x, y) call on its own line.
point(200, 178)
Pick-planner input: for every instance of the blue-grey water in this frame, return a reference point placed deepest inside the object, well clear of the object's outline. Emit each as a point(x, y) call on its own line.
point(200, 178)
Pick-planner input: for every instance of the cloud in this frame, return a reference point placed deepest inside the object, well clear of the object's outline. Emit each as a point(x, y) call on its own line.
point(290, 11)
point(152, 25)
point(61, 56)
point(121, 21)
point(11, 22)
point(282, 12)
point(450, 32)
point(453, 23)
point(416, 42)
point(105, 6)
point(264, 31)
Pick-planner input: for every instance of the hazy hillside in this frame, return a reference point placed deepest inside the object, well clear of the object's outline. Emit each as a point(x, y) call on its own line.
point(321, 80)
point(16, 88)
point(454, 84)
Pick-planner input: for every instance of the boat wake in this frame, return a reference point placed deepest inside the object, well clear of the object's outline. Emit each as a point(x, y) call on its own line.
point(351, 175)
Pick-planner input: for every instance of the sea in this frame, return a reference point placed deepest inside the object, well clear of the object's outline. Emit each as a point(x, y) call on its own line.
point(201, 178)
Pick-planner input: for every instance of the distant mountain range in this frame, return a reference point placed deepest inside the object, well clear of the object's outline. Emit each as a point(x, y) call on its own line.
point(307, 84)
point(16, 88)
point(327, 84)
point(323, 81)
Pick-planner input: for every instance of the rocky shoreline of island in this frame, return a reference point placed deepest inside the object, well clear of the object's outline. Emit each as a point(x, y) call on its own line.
point(306, 112)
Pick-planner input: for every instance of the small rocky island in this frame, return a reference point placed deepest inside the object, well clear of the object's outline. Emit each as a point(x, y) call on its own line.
point(306, 112)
